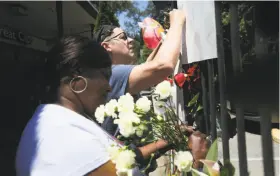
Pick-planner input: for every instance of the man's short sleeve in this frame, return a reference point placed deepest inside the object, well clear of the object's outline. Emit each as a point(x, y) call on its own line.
point(119, 80)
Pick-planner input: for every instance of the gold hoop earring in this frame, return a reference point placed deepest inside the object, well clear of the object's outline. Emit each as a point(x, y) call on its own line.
point(78, 91)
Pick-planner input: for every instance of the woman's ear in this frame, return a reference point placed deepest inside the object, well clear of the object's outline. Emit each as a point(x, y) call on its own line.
point(106, 45)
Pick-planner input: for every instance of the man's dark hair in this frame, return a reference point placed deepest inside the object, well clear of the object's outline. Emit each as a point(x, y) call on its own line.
point(103, 32)
point(75, 55)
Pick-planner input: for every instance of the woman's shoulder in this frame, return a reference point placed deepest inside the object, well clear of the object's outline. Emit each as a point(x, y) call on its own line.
point(54, 121)
point(54, 128)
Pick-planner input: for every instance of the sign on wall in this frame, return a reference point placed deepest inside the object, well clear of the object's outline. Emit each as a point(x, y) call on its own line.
point(19, 38)
point(199, 38)
point(15, 35)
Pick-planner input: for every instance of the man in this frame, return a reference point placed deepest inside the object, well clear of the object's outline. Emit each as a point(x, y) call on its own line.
point(135, 78)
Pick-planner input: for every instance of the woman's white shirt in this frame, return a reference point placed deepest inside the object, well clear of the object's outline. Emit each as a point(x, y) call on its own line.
point(58, 141)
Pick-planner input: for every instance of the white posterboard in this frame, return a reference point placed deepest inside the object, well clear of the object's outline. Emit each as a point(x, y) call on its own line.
point(199, 37)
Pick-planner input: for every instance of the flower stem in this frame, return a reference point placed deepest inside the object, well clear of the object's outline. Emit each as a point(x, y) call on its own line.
point(149, 164)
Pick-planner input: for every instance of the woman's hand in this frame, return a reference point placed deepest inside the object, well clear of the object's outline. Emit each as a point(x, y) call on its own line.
point(160, 146)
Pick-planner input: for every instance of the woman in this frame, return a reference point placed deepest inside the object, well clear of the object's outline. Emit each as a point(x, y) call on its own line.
point(62, 137)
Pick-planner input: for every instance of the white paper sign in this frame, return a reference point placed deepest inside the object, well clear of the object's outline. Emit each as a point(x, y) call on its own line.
point(199, 37)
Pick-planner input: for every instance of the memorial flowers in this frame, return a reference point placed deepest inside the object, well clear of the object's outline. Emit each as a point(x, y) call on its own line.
point(139, 123)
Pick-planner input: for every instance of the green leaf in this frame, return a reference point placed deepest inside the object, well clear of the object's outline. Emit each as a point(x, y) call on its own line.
point(228, 169)
point(212, 154)
point(213, 151)
point(199, 108)
point(194, 100)
point(194, 173)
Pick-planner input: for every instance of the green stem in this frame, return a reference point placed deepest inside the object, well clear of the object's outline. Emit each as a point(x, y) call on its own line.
point(149, 164)
point(175, 125)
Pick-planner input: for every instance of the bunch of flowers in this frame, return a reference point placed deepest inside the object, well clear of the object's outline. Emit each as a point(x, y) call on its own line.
point(135, 119)
point(139, 124)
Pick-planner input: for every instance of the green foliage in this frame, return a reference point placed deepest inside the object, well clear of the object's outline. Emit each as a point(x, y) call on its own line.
point(228, 169)
point(199, 108)
point(150, 10)
point(213, 151)
point(135, 15)
point(225, 18)
point(194, 100)
point(245, 27)
point(137, 47)
point(120, 6)
point(212, 154)
point(106, 15)
point(144, 54)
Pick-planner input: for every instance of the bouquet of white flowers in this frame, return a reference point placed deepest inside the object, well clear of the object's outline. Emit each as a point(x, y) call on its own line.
point(139, 124)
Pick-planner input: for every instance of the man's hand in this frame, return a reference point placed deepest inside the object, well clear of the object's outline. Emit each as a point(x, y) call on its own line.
point(199, 146)
point(177, 17)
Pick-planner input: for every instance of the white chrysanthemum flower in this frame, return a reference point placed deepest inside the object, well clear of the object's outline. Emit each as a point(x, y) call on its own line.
point(100, 113)
point(143, 104)
point(183, 160)
point(131, 116)
point(127, 129)
point(111, 107)
point(125, 160)
point(163, 89)
point(125, 123)
point(114, 152)
point(126, 103)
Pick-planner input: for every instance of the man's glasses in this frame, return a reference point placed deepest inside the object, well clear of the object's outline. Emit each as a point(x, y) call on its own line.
point(122, 35)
